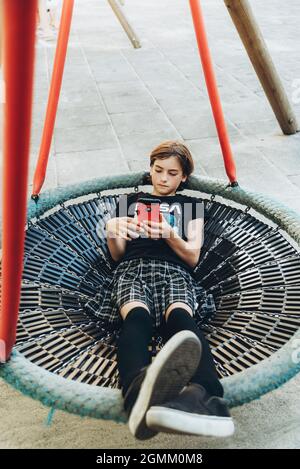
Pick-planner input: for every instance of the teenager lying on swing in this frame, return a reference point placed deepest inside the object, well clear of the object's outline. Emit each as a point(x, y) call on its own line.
point(153, 288)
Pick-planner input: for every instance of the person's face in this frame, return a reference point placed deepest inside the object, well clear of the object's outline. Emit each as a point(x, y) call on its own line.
point(166, 176)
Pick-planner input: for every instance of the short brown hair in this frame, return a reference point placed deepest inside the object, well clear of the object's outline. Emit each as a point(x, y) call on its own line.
point(174, 148)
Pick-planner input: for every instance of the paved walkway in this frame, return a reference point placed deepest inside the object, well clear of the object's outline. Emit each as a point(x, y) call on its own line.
point(116, 104)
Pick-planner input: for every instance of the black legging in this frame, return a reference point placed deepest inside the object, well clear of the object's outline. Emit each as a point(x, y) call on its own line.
point(133, 347)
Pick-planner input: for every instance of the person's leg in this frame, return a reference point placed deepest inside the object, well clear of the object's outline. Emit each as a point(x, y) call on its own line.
point(178, 317)
point(132, 345)
point(199, 409)
point(144, 383)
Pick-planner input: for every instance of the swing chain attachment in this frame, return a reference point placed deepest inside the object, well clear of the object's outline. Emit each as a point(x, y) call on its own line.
point(105, 211)
point(35, 198)
point(232, 184)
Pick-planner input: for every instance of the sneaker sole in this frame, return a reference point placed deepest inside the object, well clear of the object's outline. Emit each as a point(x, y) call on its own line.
point(177, 421)
point(169, 372)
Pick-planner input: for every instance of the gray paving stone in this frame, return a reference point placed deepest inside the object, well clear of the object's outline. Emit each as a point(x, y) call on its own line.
point(139, 146)
point(143, 56)
point(78, 74)
point(259, 129)
point(195, 123)
point(127, 123)
point(85, 165)
point(113, 72)
point(254, 170)
point(193, 102)
point(74, 54)
point(86, 138)
point(248, 111)
point(295, 179)
point(291, 202)
point(125, 97)
point(75, 116)
point(283, 152)
point(51, 174)
point(173, 89)
point(40, 94)
point(39, 113)
point(80, 97)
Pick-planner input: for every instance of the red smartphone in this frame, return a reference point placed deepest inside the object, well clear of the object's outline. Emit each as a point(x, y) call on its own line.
point(148, 209)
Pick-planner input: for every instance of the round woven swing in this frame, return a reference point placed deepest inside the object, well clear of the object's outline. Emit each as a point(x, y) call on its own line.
point(67, 359)
point(249, 262)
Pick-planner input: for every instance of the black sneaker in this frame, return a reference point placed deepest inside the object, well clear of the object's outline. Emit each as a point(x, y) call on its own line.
point(192, 412)
point(170, 371)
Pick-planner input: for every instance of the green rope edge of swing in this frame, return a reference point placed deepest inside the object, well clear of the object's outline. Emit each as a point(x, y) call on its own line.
point(106, 403)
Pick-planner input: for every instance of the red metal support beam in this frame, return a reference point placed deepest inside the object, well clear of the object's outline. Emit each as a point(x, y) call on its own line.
point(19, 26)
point(212, 89)
point(55, 87)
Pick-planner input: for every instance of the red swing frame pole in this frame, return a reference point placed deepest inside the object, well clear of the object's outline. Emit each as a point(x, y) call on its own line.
point(55, 87)
point(212, 88)
point(19, 27)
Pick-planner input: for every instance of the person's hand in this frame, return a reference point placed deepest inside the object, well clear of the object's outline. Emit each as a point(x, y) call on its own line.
point(157, 230)
point(123, 227)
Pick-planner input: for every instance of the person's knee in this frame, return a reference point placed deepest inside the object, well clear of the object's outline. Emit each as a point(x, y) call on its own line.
point(178, 306)
point(180, 319)
point(139, 321)
point(128, 307)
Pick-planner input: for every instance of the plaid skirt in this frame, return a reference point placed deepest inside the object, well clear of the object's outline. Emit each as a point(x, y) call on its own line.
point(156, 283)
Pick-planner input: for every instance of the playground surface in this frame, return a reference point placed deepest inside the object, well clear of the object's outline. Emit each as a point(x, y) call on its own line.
point(116, 104)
